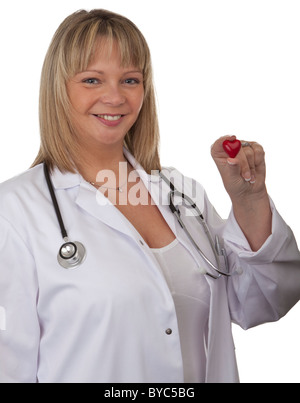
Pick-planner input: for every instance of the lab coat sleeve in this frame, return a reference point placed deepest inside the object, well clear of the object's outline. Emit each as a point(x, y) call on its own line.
point(268, 285)
point(19, 326)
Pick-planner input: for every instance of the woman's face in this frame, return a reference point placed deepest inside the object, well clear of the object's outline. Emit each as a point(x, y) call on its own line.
point(106, 99)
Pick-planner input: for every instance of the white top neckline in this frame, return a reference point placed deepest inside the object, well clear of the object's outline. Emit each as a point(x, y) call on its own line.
point(165, 248)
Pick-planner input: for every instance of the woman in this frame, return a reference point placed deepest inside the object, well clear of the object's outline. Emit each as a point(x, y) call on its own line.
point(142, 305)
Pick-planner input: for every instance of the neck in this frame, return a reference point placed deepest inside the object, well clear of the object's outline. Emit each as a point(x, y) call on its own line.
point(98, 163)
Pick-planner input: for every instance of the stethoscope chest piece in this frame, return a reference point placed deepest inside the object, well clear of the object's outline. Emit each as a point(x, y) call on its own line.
point(71, 255)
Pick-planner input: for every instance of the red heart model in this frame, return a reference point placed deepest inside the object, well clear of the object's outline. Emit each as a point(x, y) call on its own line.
point(232, 147)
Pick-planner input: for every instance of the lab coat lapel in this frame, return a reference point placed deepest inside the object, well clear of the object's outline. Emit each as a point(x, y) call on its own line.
point(96, 204)
point(157, 188)
point(160, 193)
point(92, 201)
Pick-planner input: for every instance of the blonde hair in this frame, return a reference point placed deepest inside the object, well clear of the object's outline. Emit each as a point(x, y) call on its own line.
point(70, 52)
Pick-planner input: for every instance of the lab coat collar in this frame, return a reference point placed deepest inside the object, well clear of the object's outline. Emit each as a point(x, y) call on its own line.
point(65, 180)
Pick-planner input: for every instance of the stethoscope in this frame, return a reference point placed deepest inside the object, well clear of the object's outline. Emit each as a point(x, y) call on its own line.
point(215, 246)
point(72, 254)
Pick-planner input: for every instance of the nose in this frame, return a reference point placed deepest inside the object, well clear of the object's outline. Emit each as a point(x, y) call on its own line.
point(113, 95)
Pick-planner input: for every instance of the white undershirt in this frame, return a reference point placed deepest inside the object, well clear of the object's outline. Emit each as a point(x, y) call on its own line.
point(191, 295)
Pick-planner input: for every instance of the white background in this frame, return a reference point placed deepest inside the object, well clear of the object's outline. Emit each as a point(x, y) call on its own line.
point(221, 67)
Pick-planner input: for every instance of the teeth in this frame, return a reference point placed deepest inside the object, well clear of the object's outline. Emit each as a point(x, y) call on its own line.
point(111, 118)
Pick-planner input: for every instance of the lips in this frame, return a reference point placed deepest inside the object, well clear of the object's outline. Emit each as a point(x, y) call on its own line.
point(110, 120)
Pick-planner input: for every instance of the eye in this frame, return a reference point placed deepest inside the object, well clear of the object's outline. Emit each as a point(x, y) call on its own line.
point(132, 81)
point(91, 81)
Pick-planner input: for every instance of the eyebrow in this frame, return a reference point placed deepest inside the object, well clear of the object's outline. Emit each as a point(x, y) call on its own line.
point(102, 72)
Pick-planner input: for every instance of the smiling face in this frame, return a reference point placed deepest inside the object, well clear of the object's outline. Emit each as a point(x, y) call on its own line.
point(106, 99)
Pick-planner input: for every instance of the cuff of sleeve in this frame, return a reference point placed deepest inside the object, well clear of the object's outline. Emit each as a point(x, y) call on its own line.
point(236, 241)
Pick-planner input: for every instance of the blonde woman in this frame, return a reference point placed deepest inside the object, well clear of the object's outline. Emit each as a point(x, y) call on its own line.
point(141, 304)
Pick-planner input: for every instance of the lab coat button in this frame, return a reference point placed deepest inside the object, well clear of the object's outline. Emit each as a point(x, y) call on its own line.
point(169, 331)
point(141, 242)
point(239, 270)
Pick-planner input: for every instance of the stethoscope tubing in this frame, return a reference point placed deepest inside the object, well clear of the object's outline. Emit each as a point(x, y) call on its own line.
point(55, 203)
point(200, 218)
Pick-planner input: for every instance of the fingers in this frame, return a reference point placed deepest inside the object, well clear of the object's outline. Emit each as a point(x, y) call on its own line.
point(248, 167)
point(250, 158)
point(248, 164)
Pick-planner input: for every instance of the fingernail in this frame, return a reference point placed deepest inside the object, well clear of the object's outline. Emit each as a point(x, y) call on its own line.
point(247, 176)
point(253, 179)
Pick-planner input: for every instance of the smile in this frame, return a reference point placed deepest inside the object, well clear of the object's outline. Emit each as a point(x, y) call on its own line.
point(110, 118)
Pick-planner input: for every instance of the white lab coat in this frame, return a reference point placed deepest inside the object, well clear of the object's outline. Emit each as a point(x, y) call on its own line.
point(106, 321)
